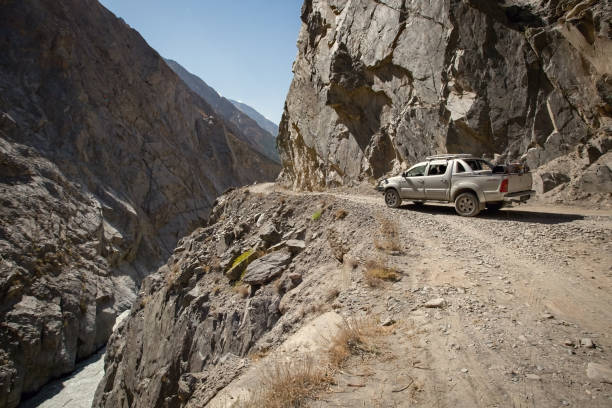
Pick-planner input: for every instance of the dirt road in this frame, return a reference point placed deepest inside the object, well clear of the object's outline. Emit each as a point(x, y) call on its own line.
point(522, 289)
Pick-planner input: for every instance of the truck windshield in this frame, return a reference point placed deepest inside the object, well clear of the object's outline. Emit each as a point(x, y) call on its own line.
point(477, 165)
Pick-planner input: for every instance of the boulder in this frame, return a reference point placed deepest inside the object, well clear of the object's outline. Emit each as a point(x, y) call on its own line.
point(435, 303)
point(599, 372)
point(547, 181)
point(295, 246)
point(269, 234)
point(267, 268)
point(598, 177)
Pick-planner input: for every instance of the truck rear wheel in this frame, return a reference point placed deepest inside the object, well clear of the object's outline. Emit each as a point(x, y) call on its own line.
point(466, 205)
point(392, 198)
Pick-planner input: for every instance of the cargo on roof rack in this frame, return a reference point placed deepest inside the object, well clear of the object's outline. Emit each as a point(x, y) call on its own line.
point(451, 156)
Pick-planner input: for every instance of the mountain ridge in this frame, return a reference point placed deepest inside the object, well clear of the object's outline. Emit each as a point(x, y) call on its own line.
point(246, 128)
point(261, 120)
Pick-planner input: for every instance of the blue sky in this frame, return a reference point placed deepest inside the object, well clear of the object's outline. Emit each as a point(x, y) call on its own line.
point(242, 48)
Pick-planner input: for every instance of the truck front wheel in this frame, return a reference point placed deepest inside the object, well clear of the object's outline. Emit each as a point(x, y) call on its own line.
point(466, 205)
point(392, 198)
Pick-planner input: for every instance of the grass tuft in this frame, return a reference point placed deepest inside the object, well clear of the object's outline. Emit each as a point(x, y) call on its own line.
point(390, 236)
point(289, 385)
point(354, 337)
point(376, 272)
point(341, 214)
point(317, 214)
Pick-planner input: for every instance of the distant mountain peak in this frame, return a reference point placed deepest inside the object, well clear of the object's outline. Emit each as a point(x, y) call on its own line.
point(261, 120)
point(246, 125)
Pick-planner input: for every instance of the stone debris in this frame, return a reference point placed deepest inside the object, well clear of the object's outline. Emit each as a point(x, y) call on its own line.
point(435, 303)
point(587, 343)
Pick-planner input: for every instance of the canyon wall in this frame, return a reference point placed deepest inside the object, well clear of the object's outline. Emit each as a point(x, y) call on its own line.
point(106, 159)
point(378, 85)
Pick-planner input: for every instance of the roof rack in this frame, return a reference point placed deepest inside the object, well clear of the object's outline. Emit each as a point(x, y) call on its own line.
point(450, 156)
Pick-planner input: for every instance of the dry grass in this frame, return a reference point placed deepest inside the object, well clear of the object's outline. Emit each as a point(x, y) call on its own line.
point(331, 294)
point(340, 214)
point(243, 290)
point(377, 272)
point(354, 337)
point(289, 385)
point(293, 384)
point(389, 240)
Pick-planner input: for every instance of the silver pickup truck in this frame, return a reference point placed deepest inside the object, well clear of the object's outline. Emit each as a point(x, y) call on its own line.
point(470, 182)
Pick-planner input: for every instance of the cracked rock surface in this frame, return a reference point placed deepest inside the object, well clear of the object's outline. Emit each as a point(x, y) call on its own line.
point(378, 85)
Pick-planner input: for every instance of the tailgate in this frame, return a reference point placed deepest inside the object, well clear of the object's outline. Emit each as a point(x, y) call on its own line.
point(519, 182)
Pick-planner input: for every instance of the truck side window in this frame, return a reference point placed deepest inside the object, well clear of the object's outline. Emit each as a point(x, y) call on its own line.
point(460, 168)
point(437, 169)
point(417, 171)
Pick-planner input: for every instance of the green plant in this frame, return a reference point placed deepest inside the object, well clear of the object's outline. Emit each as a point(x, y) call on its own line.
point(317, 214)
point(242, 257)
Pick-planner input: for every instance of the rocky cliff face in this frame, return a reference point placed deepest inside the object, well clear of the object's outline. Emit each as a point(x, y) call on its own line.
point(380, 84)
point(196, 320)
point(106, 159)
point(243, 125)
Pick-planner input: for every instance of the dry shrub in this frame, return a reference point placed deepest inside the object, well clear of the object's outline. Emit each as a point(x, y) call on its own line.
point(341, 214)
point(376, 272)
point(354, 337)
point(390, 236)
point(243, 290)
point(289, 385)
point(331, 294)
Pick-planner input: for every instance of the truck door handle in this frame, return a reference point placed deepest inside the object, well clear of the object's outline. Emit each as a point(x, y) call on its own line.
point(445, 181)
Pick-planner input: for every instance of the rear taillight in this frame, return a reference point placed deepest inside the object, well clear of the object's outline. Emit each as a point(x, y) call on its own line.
point(504, 186)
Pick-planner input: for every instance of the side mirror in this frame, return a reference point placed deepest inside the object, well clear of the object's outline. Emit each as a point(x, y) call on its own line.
point(405, 174)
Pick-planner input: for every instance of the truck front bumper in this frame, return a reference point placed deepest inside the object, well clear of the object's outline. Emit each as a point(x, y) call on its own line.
point(520, 197)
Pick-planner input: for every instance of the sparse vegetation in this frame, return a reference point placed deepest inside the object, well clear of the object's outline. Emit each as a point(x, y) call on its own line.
point(242, 289)
point(317, 214)
point(376, 272)
point(341, 214)
point(238, 268)
point(289, 385)
point(331, 294)
point(242, 257)
point(389, 240)
point(354, 337)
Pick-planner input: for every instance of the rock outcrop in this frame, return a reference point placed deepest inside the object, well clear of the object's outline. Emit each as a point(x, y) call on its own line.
point(106, 159)
point(191, 329)
point(380, 84)
point(247, 128)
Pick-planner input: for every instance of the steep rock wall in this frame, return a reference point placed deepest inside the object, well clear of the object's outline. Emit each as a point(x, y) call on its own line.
point(380, 84)
point(106, 159)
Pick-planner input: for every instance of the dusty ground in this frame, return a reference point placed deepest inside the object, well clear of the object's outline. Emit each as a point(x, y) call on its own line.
point(522, 287)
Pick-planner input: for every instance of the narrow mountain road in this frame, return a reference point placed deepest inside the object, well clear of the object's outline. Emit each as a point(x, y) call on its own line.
point(527, 306)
